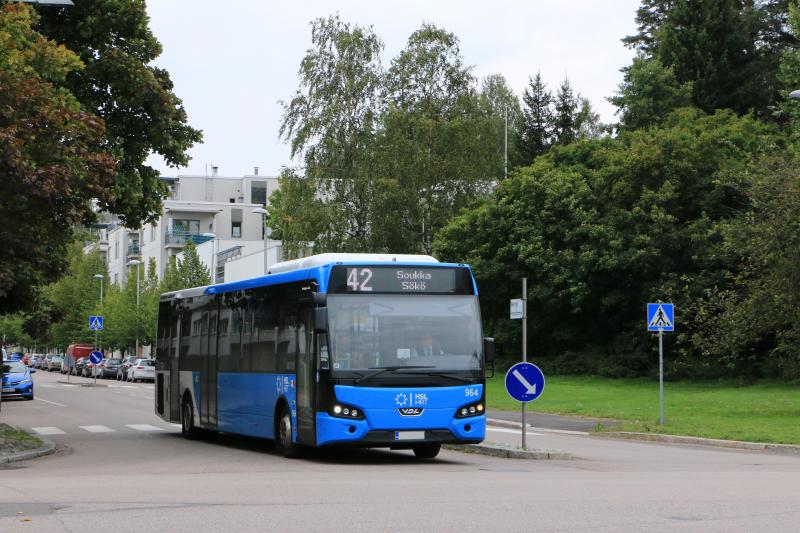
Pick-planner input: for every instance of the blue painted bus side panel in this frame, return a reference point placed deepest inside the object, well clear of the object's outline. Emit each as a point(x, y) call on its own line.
point(380, 407)
point(246, 402)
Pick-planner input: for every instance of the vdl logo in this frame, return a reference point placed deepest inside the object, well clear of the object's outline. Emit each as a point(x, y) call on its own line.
point(410, 411)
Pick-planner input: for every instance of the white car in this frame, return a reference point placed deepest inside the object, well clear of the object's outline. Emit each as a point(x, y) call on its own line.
point(142, 369)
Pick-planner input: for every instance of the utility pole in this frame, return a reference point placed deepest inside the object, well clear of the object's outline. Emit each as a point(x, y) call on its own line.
point(505, 150)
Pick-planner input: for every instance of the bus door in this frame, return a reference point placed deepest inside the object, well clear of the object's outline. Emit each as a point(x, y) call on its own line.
point(174, 388)
point(306, 379)
point(208, 370)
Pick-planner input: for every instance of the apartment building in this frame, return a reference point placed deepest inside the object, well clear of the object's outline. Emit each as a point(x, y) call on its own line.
point(214, 208)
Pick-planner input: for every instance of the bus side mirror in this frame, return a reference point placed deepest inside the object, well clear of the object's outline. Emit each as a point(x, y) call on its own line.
point(320, 320)
point(488, 349)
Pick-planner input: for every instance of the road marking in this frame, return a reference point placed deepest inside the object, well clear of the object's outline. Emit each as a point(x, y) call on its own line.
point(48, 401)
point(48, 431)
point(97, 429)
point(144, 427)
point(514, 431)
point(123, 386)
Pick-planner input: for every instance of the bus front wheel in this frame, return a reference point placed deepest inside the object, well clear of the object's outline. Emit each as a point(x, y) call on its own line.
point(427, 451)
point(283, 438)
point(188, 428)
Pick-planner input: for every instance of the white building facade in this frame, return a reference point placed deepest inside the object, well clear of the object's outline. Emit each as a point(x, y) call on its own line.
point(215, 212)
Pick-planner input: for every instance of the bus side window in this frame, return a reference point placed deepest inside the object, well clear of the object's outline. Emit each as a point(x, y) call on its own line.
point(262, 353)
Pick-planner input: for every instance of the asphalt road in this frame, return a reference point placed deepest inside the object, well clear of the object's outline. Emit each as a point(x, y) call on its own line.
point(120, 468)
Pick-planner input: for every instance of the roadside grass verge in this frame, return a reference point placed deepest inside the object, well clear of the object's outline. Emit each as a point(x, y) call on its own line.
point(763, 412)
point(12, 440)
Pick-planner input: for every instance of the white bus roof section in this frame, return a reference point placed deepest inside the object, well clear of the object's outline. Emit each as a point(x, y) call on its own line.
point(326, 259)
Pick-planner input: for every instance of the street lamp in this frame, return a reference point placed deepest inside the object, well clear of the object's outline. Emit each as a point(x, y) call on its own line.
point(263, 212)
point(136, 263)
point(213, 255)
point(795, 94)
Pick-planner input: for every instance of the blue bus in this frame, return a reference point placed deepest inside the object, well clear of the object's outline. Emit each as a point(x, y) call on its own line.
point(372, 350)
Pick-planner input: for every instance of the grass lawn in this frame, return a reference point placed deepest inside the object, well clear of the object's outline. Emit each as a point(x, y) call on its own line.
point(765, 412)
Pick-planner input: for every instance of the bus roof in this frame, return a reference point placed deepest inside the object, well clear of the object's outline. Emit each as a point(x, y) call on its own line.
point(315, 267)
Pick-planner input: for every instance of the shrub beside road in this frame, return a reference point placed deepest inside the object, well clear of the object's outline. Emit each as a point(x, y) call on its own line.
point(763, 412)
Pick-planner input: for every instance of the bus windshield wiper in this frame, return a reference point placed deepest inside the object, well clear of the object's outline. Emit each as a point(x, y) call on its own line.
point(382, 369)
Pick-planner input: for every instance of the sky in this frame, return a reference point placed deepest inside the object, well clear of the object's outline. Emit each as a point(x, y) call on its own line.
point(233, 62)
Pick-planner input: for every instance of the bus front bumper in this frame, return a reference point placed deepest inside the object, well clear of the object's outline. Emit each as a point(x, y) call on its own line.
point(343, 431)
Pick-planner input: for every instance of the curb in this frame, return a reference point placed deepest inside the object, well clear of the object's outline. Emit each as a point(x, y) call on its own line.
point(507, 452)
point(496, 422)
point(47, 449)
point(782, 449)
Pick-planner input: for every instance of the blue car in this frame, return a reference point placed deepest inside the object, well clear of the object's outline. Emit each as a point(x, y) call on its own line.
point(17, 380)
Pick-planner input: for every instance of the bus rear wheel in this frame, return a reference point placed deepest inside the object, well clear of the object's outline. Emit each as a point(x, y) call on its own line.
point(283, 435)
point(427, 451)
point(188, 429)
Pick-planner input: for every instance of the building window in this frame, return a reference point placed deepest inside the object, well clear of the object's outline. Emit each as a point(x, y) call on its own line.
point(153, 232)
point(258, 192)
point(116, 249)
point(236, 223)
point(187, 227)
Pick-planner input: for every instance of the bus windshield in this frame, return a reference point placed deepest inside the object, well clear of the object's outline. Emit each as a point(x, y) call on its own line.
point(430, 332)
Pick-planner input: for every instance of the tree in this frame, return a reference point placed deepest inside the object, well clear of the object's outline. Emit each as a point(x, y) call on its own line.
point(728, 50)
point(298, 218)
point(499, 102)
point(565, 108)
point(75, 297)
point(600, 226)
point(437, 148)
point(191, 270)
point(330, 123)
point(587, 121)
point(649, 93)
point(135, 99)
point(537, 129)
point(52, 158)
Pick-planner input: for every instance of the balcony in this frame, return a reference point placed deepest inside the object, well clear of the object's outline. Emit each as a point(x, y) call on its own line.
point(134, 251)
point(180, 238)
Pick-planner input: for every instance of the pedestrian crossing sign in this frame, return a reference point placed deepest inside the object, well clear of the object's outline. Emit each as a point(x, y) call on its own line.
point(660, 317)
point(95, 323)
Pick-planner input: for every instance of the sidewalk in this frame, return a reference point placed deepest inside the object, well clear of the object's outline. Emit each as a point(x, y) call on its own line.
point(547, 421)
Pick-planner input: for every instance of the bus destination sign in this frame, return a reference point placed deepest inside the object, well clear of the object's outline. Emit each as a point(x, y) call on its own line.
point(400, 279)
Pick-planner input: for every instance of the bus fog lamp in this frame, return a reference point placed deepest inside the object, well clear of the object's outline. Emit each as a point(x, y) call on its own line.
point(337, 409)
point(345, 411)
point(472, 409)
point(480, 407)
point(353, 412)
point(464, 411)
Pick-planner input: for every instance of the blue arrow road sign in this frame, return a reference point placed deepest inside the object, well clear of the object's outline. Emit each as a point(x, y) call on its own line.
point(95, 357)
point(95, 323)
point(660, 317)
point(524, 382)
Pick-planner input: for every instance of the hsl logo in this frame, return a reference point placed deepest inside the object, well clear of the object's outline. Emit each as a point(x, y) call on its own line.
point(410, 411)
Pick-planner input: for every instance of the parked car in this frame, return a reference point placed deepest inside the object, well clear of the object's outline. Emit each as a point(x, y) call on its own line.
point(54, 363)
point(88, 368)
point(108, 368)
point(34, 360)
point(17, 380)
point(122, 372)
point(142, 369)
point(77, 368)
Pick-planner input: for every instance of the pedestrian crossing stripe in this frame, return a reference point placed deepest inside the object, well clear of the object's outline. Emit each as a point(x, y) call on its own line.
point(145, 428)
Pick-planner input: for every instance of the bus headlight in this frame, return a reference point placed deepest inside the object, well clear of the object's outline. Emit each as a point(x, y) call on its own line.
point(473, 409)
point(345, 411)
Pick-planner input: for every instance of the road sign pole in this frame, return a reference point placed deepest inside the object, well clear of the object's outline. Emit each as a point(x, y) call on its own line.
point(524, 348)
point(661, 373)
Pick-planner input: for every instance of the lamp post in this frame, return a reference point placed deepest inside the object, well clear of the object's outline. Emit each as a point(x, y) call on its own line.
point(213, 236)
point(263, 212)
point(136, 263)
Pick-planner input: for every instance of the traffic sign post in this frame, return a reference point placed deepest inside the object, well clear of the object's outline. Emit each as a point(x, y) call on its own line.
point(661, 318)
point(524, 382)
point(95, 324)
point(96, 358)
